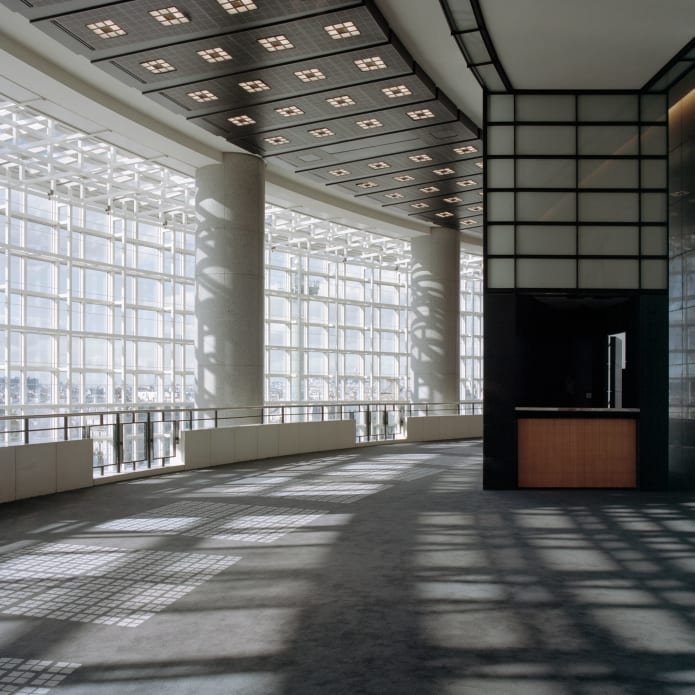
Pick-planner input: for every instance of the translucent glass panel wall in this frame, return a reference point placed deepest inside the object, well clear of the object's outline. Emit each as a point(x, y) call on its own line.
point(96, 307)
point(336, 330)
point(576, 191)
point(471, 327)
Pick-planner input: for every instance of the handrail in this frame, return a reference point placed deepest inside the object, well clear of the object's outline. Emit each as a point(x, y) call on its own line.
point(133, 439)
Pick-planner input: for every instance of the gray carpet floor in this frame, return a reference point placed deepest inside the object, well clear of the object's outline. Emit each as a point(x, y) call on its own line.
point(382, 570)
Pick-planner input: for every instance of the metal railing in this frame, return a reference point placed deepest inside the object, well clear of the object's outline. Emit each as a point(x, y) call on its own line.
point(132, 440)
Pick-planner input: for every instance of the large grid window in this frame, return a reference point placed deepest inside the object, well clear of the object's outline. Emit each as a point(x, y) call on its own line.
point(336, 311)
point(97, 287)
point(97, 261)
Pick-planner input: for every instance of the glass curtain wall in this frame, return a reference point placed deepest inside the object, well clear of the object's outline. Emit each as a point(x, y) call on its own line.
point(97, 274)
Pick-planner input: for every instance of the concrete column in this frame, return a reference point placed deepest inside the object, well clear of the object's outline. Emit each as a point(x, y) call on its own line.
point(229, 282)
point(434, 324)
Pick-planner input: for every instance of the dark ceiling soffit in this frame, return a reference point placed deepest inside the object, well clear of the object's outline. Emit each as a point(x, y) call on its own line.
point(673, 71)
point(65, 20)
point(475, 43)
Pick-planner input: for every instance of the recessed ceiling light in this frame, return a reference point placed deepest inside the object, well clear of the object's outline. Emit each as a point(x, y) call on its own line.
point(202, 96)
point(339, 172)
point(430, 189)
point(420, 158)
point(419, 206)
point(168, 16)
point(367, 184)
point(479, 164)
point(475, 208)
point(289, 111)
point(393, 196)
point(237, 6)
point(367, 64)
point(310, 75)
point(398, 91)
point(369, 123)
point(404, 178)
point(214, 55)
point(254, 86)
point(379, 165)
point(241, 120)
point(466, 183)
point(466, 149)
point(106, 29)
point(158, 66)
point(339, 102)
point(453, 199)
point(342, 31)
point(444, 214)
point(277, 140)
point(469, 222)
point(321, 132)
point(420, 114)
point(444, 171)
point(276, 43)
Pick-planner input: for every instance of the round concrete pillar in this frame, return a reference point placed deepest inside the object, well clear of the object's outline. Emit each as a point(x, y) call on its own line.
point(229, 282)
point(434, 324)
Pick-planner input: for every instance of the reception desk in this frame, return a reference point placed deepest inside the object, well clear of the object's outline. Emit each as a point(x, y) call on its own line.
point(577, 447)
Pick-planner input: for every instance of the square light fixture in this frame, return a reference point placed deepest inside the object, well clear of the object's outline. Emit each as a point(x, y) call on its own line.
point(475, 208)
point(465, 149)
point(106, 29)
point(310, 75)
point(288, 111)
point(341, 101)
point(399, 90)
point(237, 6)
point(369, 123)
point(465, 183)
point(444, 214)
point(367, 64)
point(344, 30)
point(444, 171)
point(403, 178)
point(420, 114)
point(277, 140)
point(276, 43)
point(453, 199)
point(241, 120)
point(420, 158)
point(430, 189)
point(202, 96)
point(214, 55)
point(339, 172)
point(393, 196)
point(480, 164)
point(419, 206)
point(367, 184)
point(469, 222)
point(379, 165)
point(254, 86)
point(158, 66)
point(169, 16)
point(321, 132)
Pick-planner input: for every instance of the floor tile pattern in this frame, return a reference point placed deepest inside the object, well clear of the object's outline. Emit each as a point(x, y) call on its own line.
point(92, 584)
point(31, 676)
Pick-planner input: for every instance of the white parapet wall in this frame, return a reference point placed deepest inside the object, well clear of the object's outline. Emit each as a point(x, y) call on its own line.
point(216, 447)
point(32, 470)
point(442, 427)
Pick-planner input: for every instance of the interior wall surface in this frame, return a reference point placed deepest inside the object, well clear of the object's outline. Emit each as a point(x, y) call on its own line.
point(575, 251)
point(681, 313)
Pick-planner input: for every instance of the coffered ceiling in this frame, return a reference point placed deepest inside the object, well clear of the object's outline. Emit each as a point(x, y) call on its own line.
point(322, 88)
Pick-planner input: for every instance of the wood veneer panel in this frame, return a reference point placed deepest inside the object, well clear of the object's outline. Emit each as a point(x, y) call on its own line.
point(567, 452)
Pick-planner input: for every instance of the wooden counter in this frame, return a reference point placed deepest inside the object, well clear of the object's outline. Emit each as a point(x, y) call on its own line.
point(568, 447)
